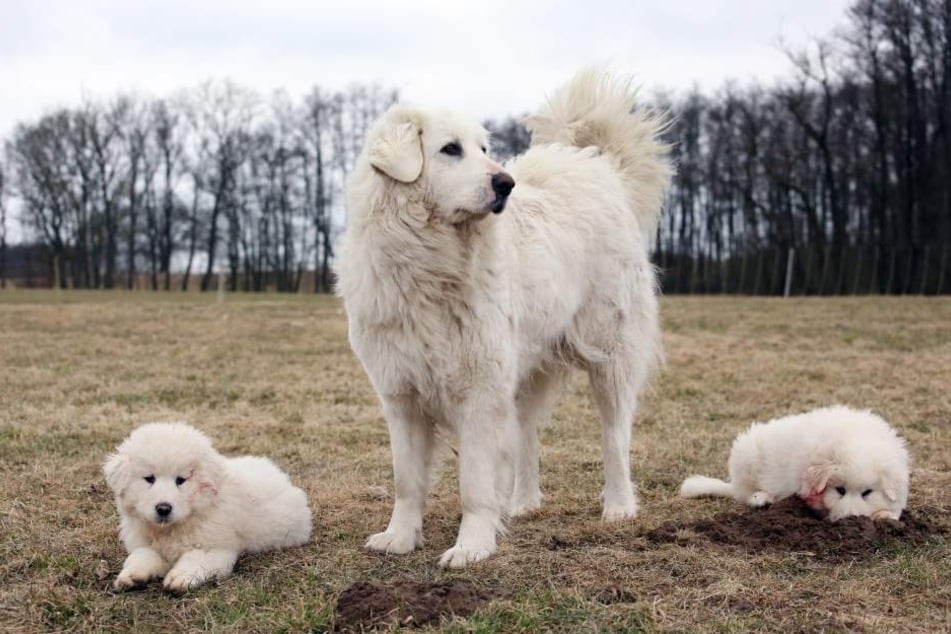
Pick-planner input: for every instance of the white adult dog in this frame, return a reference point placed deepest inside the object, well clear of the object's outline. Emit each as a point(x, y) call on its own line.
point(187, 512)
point(840, 461)
point(468, 319)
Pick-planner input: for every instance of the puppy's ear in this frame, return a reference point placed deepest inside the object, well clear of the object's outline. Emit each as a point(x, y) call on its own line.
point(208, 474)
point(397, 150)
point(815, 479)
point(116, 470)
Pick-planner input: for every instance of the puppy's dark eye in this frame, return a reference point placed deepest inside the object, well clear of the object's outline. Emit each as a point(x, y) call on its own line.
point(840, 490)
point(452, 149)
point(179, 481)
point(150, 479)
point(485, 150)
point(866, 493)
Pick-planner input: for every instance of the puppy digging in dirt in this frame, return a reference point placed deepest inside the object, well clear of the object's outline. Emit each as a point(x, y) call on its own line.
point(842, 462)
point(187, 512)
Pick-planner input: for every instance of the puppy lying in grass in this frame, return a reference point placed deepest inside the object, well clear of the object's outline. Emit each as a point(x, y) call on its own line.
point(840, 461)
point(187, 512)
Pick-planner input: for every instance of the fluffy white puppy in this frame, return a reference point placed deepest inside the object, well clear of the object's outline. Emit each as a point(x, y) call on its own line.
point(840, 461)
point(471, 290)
point(187, 512)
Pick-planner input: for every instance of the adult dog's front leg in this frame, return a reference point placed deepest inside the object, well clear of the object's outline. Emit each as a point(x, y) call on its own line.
point(487, 436)
point(411, 441)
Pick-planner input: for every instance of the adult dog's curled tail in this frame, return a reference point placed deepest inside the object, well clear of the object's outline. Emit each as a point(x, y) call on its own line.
point(696, 486)
point(596, 109)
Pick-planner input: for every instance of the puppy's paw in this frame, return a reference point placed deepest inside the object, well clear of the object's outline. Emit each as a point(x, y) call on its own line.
point(129, 579)
point(180, 579)
point(394, 543)
point(760, 498)
point(885, 515)
point(460, 556)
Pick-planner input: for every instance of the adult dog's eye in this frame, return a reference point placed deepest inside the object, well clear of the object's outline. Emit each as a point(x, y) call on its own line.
point(840, 490)
point(150, 479)
point(866, 493)
point(452, 149)
point(485, 150)
point(179, 481)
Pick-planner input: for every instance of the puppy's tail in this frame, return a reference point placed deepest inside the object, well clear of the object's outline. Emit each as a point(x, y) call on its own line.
point(696, 486)
point(596, 109)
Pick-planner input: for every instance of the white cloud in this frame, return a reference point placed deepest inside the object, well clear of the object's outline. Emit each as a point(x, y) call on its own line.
point(490, 57)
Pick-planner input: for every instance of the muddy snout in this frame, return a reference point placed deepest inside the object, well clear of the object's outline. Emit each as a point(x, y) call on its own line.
point(502, 185)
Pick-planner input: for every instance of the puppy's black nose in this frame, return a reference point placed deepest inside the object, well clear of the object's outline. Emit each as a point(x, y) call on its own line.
point(163, 509)
point(502, 184)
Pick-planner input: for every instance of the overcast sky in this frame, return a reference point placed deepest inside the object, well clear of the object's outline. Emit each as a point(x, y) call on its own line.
point(489, 58)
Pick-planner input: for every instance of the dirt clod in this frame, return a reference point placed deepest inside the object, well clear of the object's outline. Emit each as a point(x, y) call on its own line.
point(790, 526)
point(365, 606)
point(614, 594)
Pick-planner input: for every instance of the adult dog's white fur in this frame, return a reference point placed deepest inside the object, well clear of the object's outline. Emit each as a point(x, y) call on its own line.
point(840, 461)
point(219, 507)
point(468, 322)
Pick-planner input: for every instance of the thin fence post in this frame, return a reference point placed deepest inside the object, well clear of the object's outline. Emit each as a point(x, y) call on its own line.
point(891, 271)
point(789, 271)
point(944, 255)
point(825, 269)
point(742, 284)
point(695, 263)
point(805, 282)
point(906, 283)
point(858, 270)
point(774, 278)
point(924, 272)
point(840, 282)
point(759, 272)
point(724, 275)
point(873, 283)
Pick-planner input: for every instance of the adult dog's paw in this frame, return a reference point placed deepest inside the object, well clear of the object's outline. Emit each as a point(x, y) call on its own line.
point(394, 543)
point(619, 512)
point(461, 556)
point(525, 505)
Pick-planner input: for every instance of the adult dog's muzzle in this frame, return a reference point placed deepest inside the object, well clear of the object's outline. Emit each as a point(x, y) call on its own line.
point(502, 185)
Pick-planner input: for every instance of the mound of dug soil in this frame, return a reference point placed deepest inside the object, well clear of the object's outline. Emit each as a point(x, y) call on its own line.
point(790, 526)
point(364, 606)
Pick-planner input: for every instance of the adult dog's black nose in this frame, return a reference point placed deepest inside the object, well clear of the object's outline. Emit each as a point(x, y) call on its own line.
point(163, 509)
point(502, 184)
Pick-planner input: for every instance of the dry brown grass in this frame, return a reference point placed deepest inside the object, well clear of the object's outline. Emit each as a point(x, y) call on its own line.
point(274, 375)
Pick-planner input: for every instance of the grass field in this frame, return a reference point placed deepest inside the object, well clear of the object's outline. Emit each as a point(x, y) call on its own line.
point(274, 375)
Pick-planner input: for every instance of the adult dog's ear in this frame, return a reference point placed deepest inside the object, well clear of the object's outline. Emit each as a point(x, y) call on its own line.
point(397, 150)
point(116, 470)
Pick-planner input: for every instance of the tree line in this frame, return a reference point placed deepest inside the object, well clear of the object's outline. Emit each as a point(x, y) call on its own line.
point(835, 180)
point(175, 188)
point(847, 164)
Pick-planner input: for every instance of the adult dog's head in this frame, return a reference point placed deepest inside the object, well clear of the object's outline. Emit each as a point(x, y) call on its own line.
point(868, 476)
point(164, 473)
point(442, 155)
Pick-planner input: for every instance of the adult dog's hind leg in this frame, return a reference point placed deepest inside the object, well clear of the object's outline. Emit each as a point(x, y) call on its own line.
point(411, 441)
point(536, 399)
point(616, 387)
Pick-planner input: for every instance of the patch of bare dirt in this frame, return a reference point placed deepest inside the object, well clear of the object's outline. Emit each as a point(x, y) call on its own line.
point(790, 526)
point(366, 606)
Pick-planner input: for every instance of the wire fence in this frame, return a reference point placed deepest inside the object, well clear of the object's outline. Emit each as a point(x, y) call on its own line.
point(810, 271)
